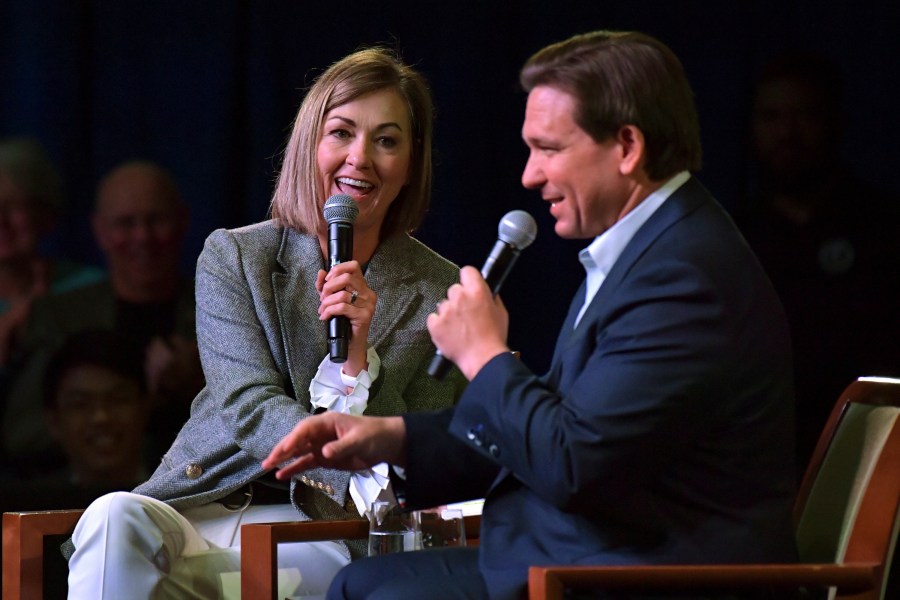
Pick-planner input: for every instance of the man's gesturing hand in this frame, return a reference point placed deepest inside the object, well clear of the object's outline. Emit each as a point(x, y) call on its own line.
point(339, 441)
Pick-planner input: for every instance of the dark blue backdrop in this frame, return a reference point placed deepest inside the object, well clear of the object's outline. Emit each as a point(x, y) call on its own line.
point(209, 88)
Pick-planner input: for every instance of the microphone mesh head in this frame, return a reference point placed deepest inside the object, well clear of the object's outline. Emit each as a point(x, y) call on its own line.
point(518, 229)
point(340, 208)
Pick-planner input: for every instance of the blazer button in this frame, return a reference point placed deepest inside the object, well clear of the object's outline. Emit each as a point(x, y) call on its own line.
point(494, 450)
point(193, 471)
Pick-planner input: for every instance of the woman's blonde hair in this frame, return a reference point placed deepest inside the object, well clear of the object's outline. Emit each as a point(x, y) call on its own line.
point(298, 198)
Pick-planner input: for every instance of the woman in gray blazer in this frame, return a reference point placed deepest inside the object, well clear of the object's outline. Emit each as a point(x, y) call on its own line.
point(263, 300)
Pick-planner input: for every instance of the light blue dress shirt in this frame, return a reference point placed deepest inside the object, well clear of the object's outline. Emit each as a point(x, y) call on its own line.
point(598, 258)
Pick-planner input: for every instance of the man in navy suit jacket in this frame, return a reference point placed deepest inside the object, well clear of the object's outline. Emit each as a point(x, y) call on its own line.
point(662, 433)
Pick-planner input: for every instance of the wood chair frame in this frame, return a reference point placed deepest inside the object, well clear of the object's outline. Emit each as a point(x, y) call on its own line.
point(23, 549)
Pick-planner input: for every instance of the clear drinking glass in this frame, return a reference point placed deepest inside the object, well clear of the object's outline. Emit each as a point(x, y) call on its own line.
point(391, 530)
point(441, 526)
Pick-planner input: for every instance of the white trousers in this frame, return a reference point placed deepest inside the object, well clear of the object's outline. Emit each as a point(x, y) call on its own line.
point(129, 546)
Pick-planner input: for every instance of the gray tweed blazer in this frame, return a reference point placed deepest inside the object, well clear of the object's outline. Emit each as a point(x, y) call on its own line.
point(261, 342)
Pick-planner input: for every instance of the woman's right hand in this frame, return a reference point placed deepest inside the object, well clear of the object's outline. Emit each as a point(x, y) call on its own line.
point(343, 291)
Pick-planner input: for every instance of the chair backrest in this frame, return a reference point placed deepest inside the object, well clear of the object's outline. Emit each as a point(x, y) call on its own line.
point(847, 507)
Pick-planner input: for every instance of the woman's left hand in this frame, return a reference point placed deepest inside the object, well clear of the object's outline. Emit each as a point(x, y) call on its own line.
point(343, 291)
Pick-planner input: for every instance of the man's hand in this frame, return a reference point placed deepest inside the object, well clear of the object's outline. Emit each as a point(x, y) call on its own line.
point(339, 441)
point(470, 326)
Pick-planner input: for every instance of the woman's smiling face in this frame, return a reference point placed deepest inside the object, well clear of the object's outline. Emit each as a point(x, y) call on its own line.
point(364, 152)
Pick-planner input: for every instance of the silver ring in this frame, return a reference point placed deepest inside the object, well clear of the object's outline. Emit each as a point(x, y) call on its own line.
point(353, 296)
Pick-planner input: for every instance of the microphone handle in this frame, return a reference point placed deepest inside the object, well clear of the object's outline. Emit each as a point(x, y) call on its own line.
point(340, 249)
point(338, 338)
point(498, 265)
point(340, 243)
point(495, 269)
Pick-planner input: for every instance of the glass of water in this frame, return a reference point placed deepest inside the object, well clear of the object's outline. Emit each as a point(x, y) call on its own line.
point(391, 530)
point(441, 526)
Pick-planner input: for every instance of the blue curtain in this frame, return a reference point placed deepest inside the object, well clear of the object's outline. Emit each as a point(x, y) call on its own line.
point(208, 88)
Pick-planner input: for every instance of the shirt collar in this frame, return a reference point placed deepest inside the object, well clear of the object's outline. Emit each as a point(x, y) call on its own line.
point(600, 256)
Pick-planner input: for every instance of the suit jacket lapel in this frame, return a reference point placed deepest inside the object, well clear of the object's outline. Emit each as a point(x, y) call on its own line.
point(682, 202)
point(565, 334)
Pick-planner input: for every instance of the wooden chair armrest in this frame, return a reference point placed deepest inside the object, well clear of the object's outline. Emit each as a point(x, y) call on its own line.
point(23, 548)
point(548, 583)
point(259, 546)
point(473, 529)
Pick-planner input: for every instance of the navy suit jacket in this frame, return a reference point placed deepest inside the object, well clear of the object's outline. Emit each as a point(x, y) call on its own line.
point(662, 432)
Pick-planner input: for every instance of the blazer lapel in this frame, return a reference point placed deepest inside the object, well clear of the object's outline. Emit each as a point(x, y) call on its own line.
point(390, 277)
point(294, 287)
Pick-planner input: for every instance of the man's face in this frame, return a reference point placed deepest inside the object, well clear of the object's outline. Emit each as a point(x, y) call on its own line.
point(99, 421)
point(792, 137)
point(578, 177)
point(139, 227)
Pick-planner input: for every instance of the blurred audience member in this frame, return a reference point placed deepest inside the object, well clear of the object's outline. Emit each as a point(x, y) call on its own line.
point(31, 200)
point(96, 406)
point(95, 403)
point(828, 240)
point(139, 222)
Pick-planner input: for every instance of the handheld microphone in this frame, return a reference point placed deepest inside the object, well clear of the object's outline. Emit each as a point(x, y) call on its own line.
point(340, 213)
point(516, 231)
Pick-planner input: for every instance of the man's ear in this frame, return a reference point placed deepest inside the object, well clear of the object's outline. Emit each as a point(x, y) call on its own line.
point(631, 140)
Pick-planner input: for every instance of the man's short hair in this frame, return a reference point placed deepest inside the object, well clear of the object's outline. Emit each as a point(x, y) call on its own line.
point(625, 78)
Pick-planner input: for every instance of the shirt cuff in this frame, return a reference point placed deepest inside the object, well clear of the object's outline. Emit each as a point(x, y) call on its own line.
point(366, 377)
point(328, 389)
point(369, 485)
